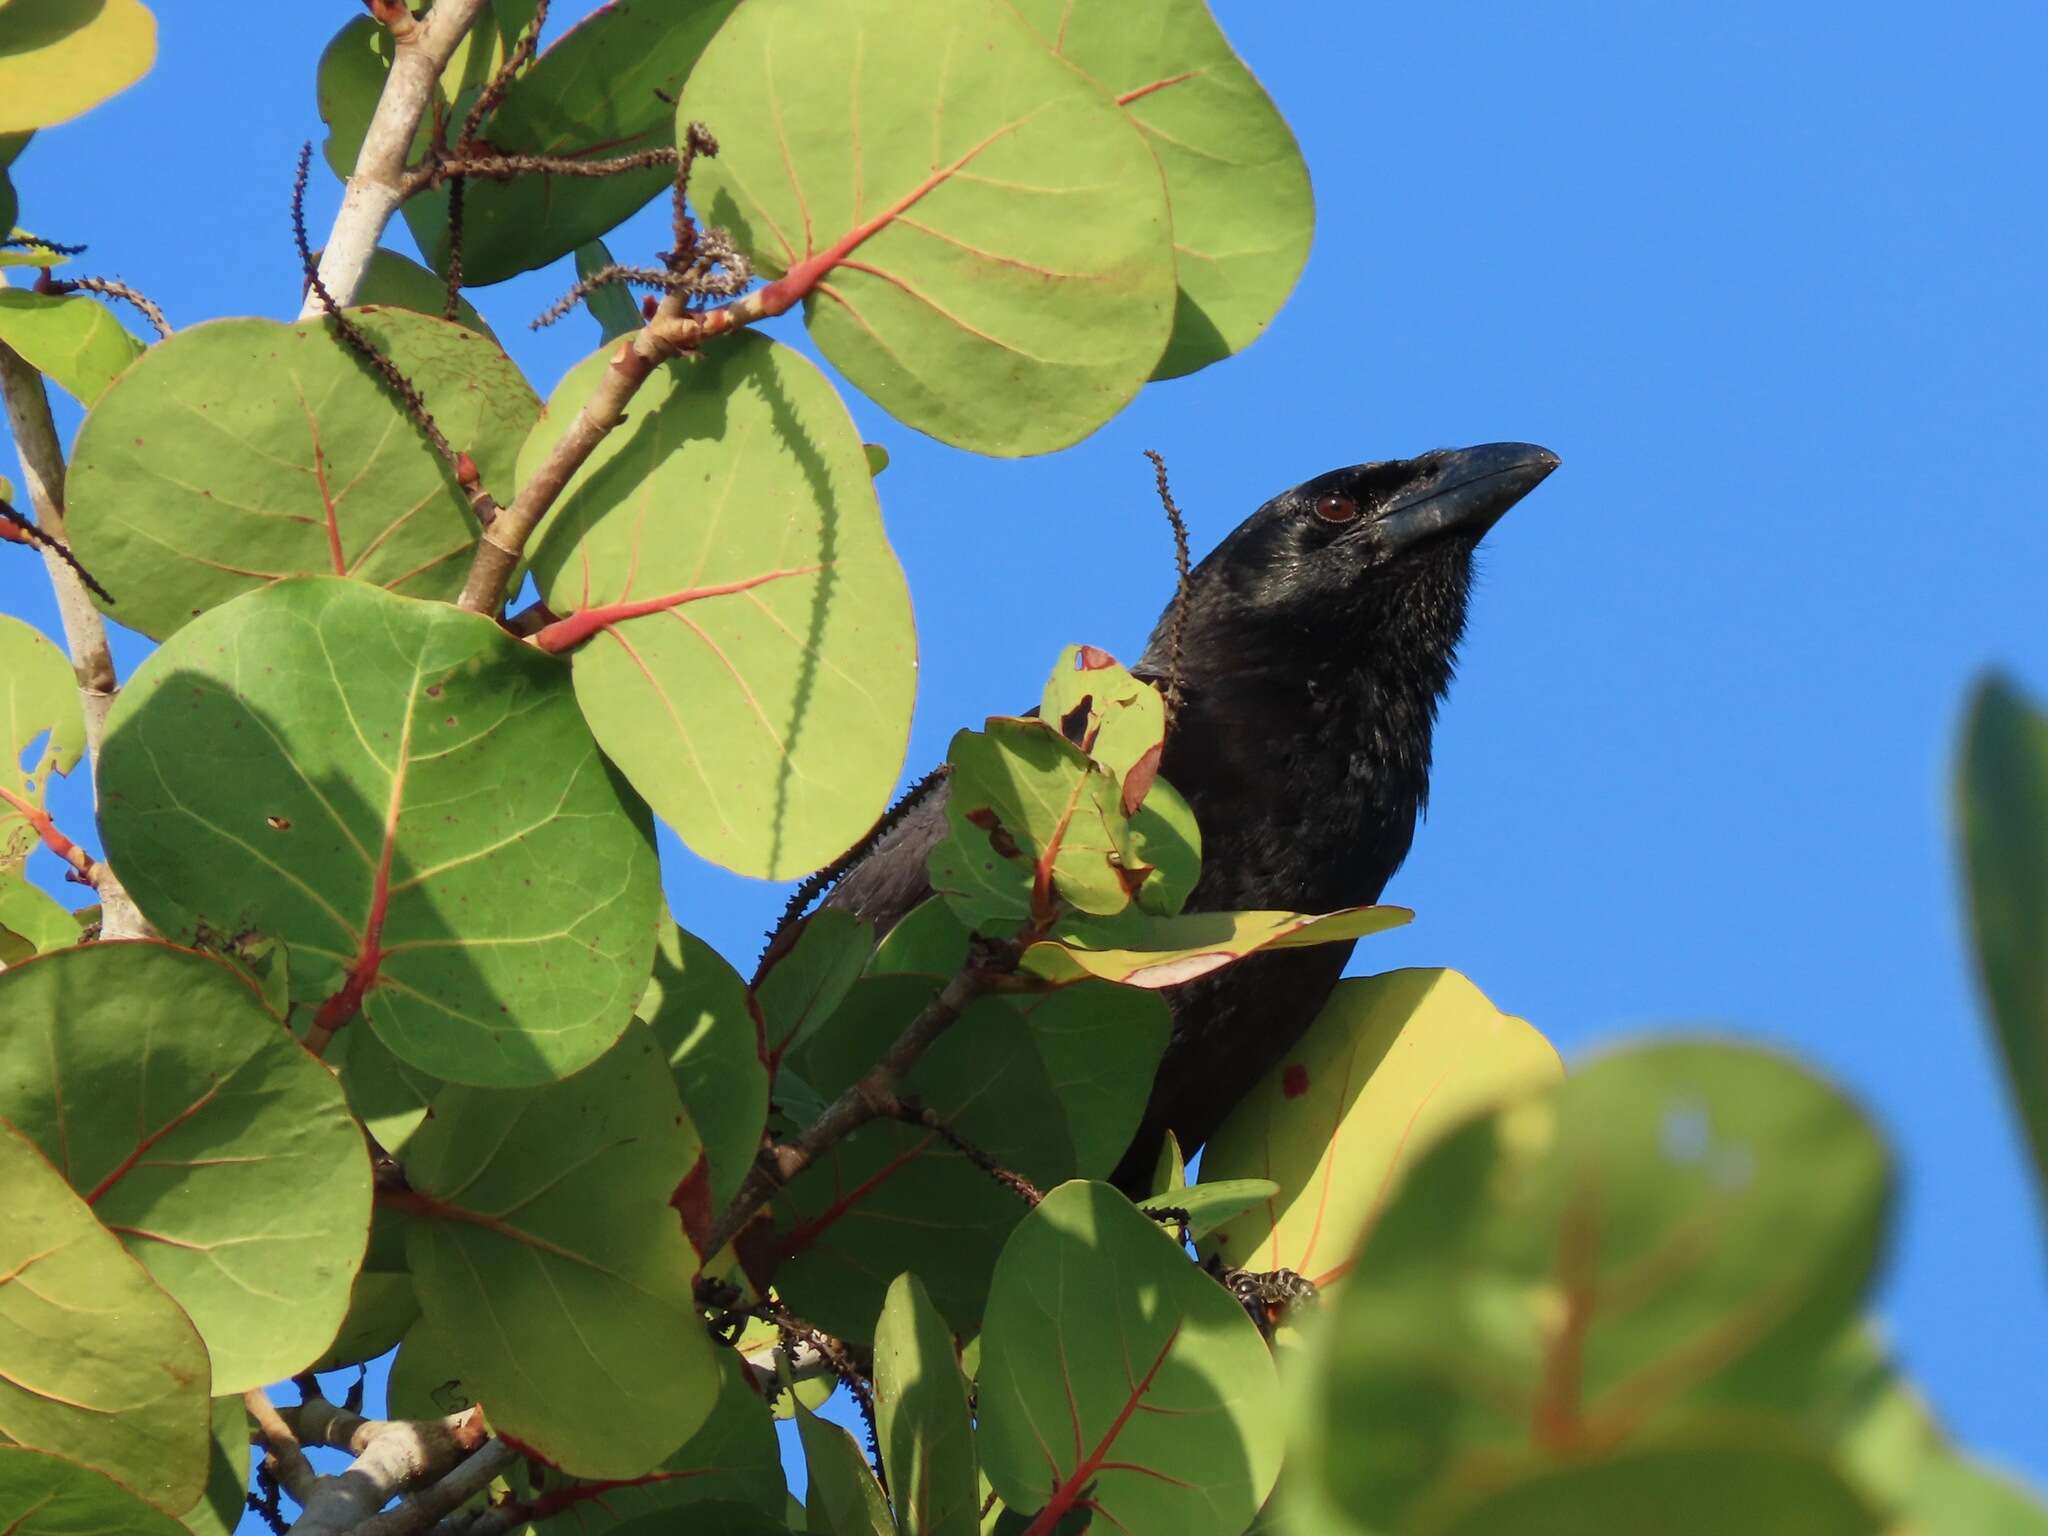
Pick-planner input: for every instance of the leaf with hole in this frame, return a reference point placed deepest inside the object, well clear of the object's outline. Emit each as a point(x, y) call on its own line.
point(409, 799)
point(1390, 1064)
point(1243, 214)
point(1155, 1403)
point(215, 1148)
point(76, 1315)
point(59, 58)
point(39, 709)
point(543, 1223)
point(187, 487)
point(978, 234)
point(740, 631)
point(72, 338)
point(1673, 1232)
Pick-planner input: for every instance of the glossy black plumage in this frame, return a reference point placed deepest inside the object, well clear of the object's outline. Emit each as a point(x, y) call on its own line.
point(1320, 637)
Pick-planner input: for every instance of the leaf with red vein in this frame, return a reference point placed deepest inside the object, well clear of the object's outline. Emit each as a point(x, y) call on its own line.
point(1243, 214)
point(163, 1089)
point(545, 1250)
point(738, 628)
point(409, 799)
point(1116, 1374)
point(1672, 1240)
point(191, 487)
point(978, 232)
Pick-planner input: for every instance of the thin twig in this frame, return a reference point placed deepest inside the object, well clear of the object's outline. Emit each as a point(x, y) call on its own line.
point(24, 241)
point(494, 91)
point(24, 531)
point(294, 1472)
point(391, 1456)
point(374, 192)
point(112, 288)
point(1180, 590)
point(910, 1112)
point(448, 168)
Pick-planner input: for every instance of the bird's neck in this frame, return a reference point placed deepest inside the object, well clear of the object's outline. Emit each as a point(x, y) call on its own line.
point(1305, 752)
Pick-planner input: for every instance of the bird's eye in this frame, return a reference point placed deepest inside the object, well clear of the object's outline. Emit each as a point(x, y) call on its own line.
point(1336, 509)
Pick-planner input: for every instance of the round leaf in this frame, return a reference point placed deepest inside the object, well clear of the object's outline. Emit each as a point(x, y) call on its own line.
point(1113, 1370)
point(1242, 210)
point(74, 339)
point(59, 58)
point(201, 1134)
point(392, 281)
point(1390, 1064)
point(978, 233)
point(1676, 1229)
point(96, 1363)
point(409, 799)
point(546, 1251)
point(188, 486)
point(744, 650)
point(48, 1496)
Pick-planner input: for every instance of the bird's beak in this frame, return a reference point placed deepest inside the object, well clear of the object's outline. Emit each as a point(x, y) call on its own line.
point(1472, 488)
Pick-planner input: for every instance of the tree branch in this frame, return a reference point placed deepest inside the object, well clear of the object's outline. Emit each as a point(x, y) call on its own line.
point(392, 1455)
point(85, 632)
point(377, 187)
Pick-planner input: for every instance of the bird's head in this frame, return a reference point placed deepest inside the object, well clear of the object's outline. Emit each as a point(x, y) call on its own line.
point(1362, 557)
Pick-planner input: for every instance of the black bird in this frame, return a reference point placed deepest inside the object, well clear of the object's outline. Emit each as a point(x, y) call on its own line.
point(1319, 638)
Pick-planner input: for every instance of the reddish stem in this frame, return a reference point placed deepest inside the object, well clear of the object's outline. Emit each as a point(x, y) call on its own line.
point(46, 829)
point(567, 634)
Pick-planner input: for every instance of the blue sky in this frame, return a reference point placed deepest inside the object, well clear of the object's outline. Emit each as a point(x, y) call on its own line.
point(1766, 276)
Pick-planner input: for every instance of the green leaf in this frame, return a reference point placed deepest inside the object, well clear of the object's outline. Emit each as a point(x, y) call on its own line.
point(1170, 1174)
point(382, 1307)
point(803, 984)
point(11, 144)
point(1700, 1485)
point(878, 457)
point(1959, 1496)
point(73, 339)
point(1115, 1371)
point(220, 1509)
point(1243, 214)
point(1675, 1232)
point(354, 773)
point(1109, 714)
point(386, 1094)
point(34, 255)
point(928, 941)
point(1212, 1202)
point(811, 1391)
point(921, 1417)
point(979, 235)
point(2004, 794)
point(733, 1461)
point(1140, 950)
point(59, 58)
point(547, 1252)
point(1046, 1084)
point(47, 1496)
point(611, 306)
point(77, 1314)
point(38, 922)
point(392, 281)
point(696, 1005)
point(603, 90)
point(219, 1151)
point(844, 1499)
point(1390, 1064)
point(189, 487)
point(38, 702)
point(426, 1378)
point(747, 654)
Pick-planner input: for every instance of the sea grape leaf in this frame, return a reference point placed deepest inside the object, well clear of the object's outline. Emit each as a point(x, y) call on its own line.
point(978, 233)
point(922, 1422)
point(1960, 1496)
point(843, 1498)
point(2004, 793)
point(804, 983)
point(1141, 950)
point(1154, 1399)
point(544, 1218)
point(77, 1313)
point(220, 1509)
point(742, 638)
point(38, 704)
point(32, 921)
point(604, 89)
point(696, 1005)
point(1390, 1064)
point(409, 799)
point(389, 1096)
point(393, 281)
point(1114, 717)
point(611, 306)
point(72, 338)
point(50, 1496)
point(1243, 214)
point(1674, 1232)
point(187, 487)
point(202, 1115)
point(1212, 1202)
point(59, 58)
